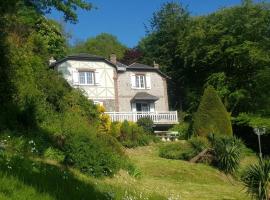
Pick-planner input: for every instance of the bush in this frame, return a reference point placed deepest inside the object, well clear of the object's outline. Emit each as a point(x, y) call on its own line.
point(131, 135)
point(177, 151)
point(256, 179)
point(92, 156)
point(115, 129)
point(227, 153)
point(146, 123)
point(54, 154)
point(182, 129)
point(211, 116)
point(183, 150)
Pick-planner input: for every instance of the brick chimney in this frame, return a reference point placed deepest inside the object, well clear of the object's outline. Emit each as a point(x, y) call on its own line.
point(156, 65)
point(113, 58)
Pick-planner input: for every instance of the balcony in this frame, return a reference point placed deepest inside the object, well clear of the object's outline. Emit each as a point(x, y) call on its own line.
point(159, 118)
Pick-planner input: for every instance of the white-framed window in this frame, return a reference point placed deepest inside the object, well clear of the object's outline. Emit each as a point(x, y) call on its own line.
point(86, 77)
point(140, 81)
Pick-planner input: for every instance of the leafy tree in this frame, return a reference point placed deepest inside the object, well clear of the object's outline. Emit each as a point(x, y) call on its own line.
point(211, 116)
point(223, 46)
point(102, 45)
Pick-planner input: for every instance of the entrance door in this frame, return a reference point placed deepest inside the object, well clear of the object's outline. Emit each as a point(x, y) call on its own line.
point(142, 107)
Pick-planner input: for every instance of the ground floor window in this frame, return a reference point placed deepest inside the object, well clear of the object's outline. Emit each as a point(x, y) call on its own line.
point(142, 107)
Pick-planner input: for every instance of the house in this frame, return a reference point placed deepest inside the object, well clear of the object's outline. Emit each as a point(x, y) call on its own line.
point(126, 92)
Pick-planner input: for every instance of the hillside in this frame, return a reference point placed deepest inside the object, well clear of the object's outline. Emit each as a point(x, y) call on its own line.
point(160, 179)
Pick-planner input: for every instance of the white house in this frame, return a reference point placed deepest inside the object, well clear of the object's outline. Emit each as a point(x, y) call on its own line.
point(126, 92)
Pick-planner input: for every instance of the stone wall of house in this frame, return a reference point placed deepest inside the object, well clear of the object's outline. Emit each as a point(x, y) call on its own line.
point(126, 92)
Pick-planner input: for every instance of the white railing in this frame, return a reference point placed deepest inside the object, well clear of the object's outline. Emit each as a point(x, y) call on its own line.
point(167, 117)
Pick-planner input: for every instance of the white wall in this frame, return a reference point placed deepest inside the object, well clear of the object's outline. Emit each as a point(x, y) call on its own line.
point(105, 73)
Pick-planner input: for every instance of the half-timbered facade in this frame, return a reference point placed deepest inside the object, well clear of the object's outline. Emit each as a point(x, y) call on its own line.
point(126, 92)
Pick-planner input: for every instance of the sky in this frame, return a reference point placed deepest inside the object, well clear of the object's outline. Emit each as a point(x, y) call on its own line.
point(126, 19)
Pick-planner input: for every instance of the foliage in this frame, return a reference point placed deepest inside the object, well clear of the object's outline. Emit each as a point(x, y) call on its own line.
point(146, 123)
point(54, 154)
point(115, 129)
point(91, 156)
point(227, 153)
point(253, 121)
point(211, 116)
point(182, 129)
point(221, 49)
point(256, 179)
point(131, 135)
point(183, 150)
point(104, 120)
point(102, 45)
point(175, 150)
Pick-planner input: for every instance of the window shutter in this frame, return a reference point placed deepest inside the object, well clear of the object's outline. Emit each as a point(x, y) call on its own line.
point(148, 81)
point(97, 78)
point(133, 80)
point(152, 107)
point(133, 107)
point(75, 77)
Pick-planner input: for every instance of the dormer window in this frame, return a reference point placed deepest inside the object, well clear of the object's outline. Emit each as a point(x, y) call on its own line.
point(140, 81)
point(86, 77)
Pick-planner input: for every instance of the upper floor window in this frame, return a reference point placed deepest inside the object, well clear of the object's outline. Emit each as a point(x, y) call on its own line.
point(140, 81)
point(86, 78)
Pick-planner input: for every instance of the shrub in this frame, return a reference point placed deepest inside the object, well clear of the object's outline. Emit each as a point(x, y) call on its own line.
point(227, 153)
point(211, 116)
point(182, 129)
point(54, 154)
point(199, 143)
point(131, 135)
point(256, 179)
point(176, 151)
point(92, 156)
point(115, 129)
point(146, 123)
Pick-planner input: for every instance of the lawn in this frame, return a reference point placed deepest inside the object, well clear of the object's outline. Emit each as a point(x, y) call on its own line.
point(160, 179)
point(180, 179)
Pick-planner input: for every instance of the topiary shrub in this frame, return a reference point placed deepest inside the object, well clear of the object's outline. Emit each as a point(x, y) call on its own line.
point(211, 116)
point(146, 123)
point(227, 153)
point(92, 156)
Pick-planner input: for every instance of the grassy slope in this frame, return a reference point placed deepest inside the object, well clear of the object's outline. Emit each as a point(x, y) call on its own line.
point(181, 179)
point(160, 178)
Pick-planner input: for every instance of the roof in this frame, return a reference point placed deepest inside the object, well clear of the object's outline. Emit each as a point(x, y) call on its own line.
point(83, 56)
point(143, 67)
point(119, 66)
point(144, 96)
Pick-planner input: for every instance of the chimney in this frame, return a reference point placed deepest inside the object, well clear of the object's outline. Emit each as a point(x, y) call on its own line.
point(113, 58)
point(156, 65)
point(52, 60)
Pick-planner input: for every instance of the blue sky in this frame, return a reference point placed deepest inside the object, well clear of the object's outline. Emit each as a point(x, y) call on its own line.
point(126, 18)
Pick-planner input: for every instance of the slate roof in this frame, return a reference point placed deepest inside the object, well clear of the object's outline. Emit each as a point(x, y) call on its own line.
point(144, 96)
point(119, 66)
point(143, 67)
point(83, 56)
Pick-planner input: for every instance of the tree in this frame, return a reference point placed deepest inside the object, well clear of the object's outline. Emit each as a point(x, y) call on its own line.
point(197, 50)
point(102, 45)
point(211, 116)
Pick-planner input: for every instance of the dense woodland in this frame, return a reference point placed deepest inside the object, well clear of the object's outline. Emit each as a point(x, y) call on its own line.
point(220, 80)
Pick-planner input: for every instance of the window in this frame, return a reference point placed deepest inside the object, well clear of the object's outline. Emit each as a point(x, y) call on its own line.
point(142, 107)
point(140, 81)
point(86, 78)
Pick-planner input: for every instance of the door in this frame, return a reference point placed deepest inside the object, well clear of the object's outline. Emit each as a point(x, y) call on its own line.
point(142, 107)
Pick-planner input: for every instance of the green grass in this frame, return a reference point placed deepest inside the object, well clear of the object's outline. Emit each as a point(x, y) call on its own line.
point(160, 179)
